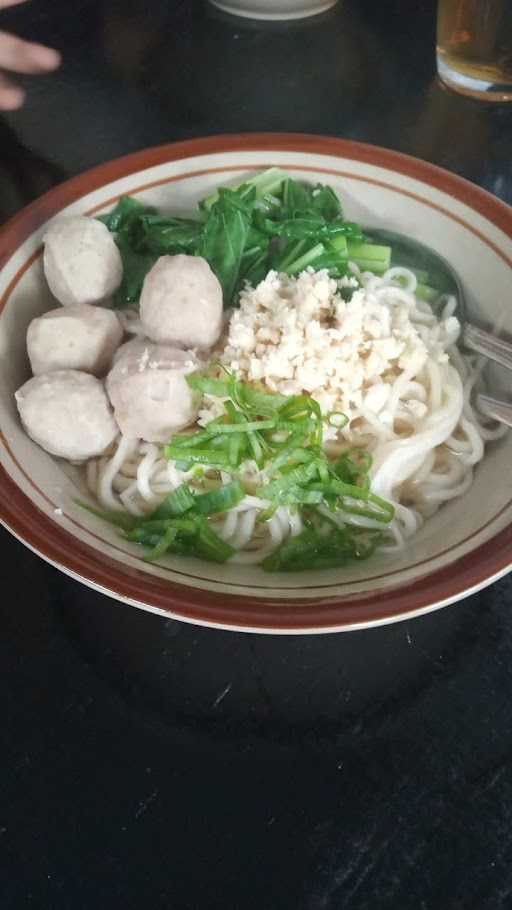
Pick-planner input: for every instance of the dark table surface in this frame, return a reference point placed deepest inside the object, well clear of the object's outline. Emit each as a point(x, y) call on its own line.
point(147, 763)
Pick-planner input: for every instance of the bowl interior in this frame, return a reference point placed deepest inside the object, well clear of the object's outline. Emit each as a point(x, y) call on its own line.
point(372, 194)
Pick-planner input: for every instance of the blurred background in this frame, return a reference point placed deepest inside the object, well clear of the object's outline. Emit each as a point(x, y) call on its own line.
point(137, 73)
point(147, 763)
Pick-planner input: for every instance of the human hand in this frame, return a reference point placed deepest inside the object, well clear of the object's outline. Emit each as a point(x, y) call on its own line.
point(20, 56)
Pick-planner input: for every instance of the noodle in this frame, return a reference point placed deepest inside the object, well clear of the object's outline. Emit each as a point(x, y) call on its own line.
point(424, 444)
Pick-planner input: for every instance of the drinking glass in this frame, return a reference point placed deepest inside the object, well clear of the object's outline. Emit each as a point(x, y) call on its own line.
point(474, 47)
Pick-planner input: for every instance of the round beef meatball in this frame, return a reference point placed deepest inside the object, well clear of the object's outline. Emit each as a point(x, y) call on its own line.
point(149, 392)
point(181, 302)
point(81, 261)
point(80, 337)
point(67, 413)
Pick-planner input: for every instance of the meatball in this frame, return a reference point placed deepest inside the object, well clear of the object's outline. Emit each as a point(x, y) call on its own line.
point(149, 392)
point(67, 413)
point(181, 302)
point(79, 337)
point(81, 261)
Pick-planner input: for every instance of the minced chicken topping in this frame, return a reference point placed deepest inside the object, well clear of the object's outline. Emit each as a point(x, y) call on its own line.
point(296, 335)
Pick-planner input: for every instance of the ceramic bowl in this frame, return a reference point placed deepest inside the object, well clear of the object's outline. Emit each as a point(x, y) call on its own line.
point(274, 9)
point(467, 545)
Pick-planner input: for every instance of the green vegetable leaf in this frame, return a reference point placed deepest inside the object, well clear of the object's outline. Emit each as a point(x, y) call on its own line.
point(136, 265)
point(265, 185)
point(124, 214)
point(326, 202)
point(165, 235)
point(225, 236)
point(270, 221)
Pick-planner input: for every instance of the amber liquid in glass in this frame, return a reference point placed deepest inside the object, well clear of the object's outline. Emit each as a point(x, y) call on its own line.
point(474, 47)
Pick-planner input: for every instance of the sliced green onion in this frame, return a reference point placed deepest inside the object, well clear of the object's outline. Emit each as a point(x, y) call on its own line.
point(232, 413)
point(336, 419)
point(323, 471)
point(164, 544)
point(262, 401)
point(244, 426)
point(255, 443)
point(152, 525)
point(294, 478)
point(119, 519)
point(296, 495)
point(142, 536)
point(336, 487)
point(353, 467)
point(266, 514)
point(292, 552)
point(310, 550)
point(176, 503)
point(187, 440)
point(208, 386)
point(387, 508)
point(321, 548)
point(210, 546)
point(221, 500)
point(237, 448)
point(211, 456)
point(284, 436)
point(366, 542)
point(293, 443)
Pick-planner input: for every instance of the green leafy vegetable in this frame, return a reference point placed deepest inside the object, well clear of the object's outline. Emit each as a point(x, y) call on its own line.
point(162, 234)
point(136, 265)
point(369, 256)
point(125, 214)
point(126, 221)
point(265, 184)
point(225, 235)
point(271, 221)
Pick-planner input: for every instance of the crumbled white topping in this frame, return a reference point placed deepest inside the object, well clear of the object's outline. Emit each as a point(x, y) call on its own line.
point(143, 362)
point(298, 335)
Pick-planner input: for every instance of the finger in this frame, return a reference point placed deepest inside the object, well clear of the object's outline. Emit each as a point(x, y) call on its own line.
point(11, 96)
point(23, 57)
point(5, 3)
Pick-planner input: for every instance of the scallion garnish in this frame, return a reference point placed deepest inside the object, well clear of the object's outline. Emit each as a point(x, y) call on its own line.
point(221, 500)
point(283, 435)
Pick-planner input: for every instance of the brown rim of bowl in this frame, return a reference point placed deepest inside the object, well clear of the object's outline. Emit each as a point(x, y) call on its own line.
point(52, 542)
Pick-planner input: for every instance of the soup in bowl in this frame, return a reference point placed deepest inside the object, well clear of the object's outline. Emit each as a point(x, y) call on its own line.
point(319, 514)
